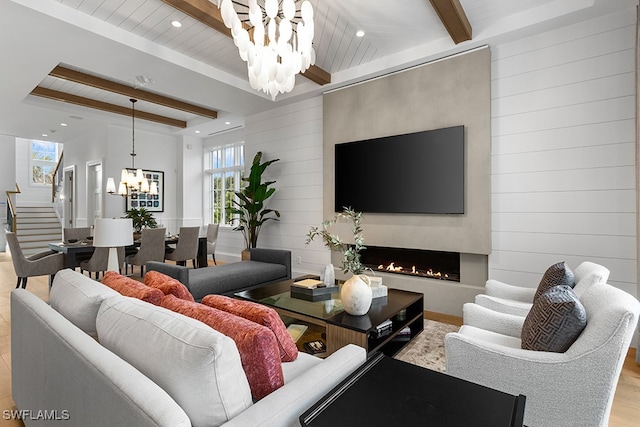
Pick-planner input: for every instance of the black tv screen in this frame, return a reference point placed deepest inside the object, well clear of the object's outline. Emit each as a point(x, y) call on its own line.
point(420, 172)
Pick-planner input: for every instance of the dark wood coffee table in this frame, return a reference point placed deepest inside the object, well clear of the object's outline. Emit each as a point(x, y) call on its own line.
point(389, 392)
point(403, 308)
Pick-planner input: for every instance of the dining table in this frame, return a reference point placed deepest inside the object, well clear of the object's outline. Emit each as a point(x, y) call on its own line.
point(77, 251)
point(73, 252)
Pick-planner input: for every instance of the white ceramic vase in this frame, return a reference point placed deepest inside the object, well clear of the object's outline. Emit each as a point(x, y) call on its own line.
point(356, 295)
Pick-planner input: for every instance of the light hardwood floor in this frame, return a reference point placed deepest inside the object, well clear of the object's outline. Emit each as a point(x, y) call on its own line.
point(626, 405)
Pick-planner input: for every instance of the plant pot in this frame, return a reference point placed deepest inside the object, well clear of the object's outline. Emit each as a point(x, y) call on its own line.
point(356, 295)
point(245, 255)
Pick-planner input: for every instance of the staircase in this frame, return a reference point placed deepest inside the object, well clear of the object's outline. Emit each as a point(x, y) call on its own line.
point(37, 226)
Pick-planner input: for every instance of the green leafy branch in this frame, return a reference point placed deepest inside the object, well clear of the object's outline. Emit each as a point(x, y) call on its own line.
point(350, 253)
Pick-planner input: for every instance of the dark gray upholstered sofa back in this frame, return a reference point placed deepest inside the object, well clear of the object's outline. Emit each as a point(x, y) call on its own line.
point(265, 266)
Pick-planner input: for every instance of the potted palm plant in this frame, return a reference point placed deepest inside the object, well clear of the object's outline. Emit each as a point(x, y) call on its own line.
point(141, 218)
point(248, 209)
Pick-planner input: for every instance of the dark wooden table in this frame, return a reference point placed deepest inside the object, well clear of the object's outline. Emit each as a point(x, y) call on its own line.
point(72, 252)
point(403, 308)
point(75, 252)
point(389, 392)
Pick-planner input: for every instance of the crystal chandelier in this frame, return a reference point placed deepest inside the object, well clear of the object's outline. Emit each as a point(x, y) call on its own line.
point(275, 43)
point(132, 179)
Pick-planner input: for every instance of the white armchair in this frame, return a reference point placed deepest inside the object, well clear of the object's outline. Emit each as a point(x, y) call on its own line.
point(517, 300)
point(574, 388)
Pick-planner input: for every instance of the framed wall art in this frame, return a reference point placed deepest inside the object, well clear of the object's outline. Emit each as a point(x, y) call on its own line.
point(151, 202)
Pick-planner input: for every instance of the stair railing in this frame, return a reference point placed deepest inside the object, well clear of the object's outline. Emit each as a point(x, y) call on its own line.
point(12, 214)
point(57, 178)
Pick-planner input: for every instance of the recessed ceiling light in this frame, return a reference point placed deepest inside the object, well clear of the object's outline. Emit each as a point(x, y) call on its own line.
point(197, 131)
point(143, 80)
point(176, 24)
point(359, 33)
point(63, 124)
point(227, 123)
point(44, 134)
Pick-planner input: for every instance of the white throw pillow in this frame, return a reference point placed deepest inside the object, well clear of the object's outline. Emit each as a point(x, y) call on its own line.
point(587, 274)
point(197, 366)
point(78, 298)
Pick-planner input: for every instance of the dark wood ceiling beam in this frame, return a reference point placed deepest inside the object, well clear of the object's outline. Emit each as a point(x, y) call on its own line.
point(209, 14)
point(454, 19)
point(104, 106)
point(122, 89)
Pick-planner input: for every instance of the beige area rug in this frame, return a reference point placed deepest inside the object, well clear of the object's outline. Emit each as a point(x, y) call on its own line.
point(427, 349)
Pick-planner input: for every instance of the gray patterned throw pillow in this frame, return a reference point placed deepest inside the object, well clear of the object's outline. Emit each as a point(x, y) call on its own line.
point(557, 274)
point(555, 321)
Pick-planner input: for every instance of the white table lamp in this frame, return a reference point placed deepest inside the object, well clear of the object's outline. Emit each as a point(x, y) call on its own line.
point(113, 233)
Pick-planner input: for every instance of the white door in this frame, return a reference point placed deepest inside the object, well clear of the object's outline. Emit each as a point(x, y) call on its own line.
point(94, 192)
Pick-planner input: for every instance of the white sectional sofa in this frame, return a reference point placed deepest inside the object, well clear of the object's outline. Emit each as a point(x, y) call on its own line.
point(148, 366)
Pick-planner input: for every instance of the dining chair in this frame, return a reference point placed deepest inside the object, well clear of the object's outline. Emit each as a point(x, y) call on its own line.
point(99, 261)
point(40, 264)
point(212, 238)
point(77, 234)
point(151, 249)
point(186, 248)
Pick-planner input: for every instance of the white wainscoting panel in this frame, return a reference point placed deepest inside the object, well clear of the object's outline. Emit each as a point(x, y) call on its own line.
point(293, 134)
point(563, 151)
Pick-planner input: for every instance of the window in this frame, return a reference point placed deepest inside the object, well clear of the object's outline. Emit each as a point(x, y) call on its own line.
point(224, 168)
point(44, 158)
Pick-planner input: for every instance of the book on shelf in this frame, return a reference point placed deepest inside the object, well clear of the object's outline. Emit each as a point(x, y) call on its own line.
point(405, 331)
point(315, 347)
point(308, 284)
point(296, 331)
point(387, 324)
point(311, 290)
point(403, 335)
point(383, 333)
point(401, 338)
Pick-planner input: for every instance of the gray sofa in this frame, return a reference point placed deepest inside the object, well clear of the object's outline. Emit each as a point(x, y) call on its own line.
point(93, 357)
point(265, 266)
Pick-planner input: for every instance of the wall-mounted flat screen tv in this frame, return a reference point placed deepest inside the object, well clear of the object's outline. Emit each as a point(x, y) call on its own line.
point(420, 172)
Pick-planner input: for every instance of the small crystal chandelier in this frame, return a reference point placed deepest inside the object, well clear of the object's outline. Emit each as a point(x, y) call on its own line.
point(274, 50)
point(132, 179)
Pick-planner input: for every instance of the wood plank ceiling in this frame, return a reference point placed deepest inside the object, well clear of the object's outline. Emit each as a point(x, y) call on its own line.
point(450, 12)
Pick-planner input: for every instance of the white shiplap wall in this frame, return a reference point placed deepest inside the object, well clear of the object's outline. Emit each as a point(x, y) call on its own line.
point(563, 151)
point(293, 134)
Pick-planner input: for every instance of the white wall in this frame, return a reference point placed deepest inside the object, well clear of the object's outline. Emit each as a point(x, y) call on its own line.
point(189, 200)
point(563, 151)
point(563, 156)
point(294, 135)
point(7, 166)
point(7, 178)
point(77, 152)
point(112, 144)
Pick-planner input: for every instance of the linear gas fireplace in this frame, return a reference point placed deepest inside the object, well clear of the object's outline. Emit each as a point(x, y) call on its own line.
point(414, 262)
